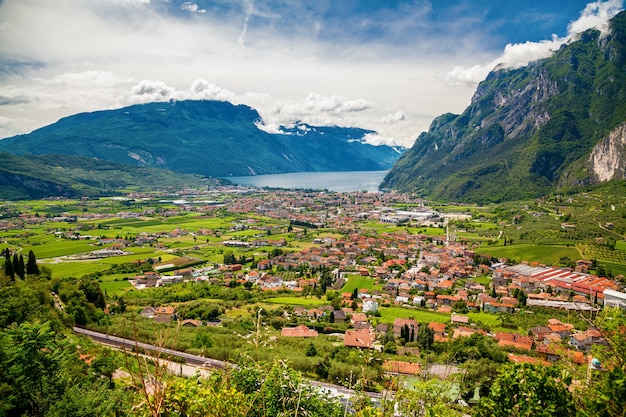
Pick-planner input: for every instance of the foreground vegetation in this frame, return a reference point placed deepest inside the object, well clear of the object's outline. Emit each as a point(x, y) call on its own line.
point(69, 375)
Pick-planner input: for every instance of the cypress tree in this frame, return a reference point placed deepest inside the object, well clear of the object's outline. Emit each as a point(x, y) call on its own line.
point(21, 271)
point(16, 264)
point(8, 266)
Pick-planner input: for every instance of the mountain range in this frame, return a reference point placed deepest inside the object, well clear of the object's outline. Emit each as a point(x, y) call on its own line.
point(208, 138)
point(39, 176)
point(555, 124)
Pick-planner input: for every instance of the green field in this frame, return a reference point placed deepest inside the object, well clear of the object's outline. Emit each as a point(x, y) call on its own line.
point(298, 301)
point(357, 281)
point(115, 288)
point(389, 314)
point(548, 255)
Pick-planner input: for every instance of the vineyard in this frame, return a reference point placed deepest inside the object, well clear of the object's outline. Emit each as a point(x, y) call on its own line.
point(602, 253)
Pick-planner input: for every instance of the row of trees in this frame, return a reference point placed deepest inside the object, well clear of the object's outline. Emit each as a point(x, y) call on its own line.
point(16, 266)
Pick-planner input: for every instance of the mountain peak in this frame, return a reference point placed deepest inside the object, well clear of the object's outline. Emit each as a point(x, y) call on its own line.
point(527, 131)
point(211, 138)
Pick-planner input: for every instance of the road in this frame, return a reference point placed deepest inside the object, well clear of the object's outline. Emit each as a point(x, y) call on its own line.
point(193, 362)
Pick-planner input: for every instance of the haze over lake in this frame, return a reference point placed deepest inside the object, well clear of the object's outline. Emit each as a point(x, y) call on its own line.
point(332, 181)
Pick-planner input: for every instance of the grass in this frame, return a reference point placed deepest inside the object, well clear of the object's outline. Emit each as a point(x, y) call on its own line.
point(357, 281)
point(298, 301)
point(548, 255)
point(115, 288)
point(75, 269)
point(482, 280)
point(55, 247)
point(389, 314)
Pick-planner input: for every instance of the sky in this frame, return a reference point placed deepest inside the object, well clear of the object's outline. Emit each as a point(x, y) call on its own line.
point(391, 66)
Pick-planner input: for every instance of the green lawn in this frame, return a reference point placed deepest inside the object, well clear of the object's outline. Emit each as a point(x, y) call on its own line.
point(357, 281)
point(298, 301)
point(113, 288)
point(389, 314)
point(482, 280)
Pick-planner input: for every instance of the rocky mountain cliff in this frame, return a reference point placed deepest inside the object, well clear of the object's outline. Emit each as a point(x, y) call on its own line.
point(209, 138)
point(554, 124)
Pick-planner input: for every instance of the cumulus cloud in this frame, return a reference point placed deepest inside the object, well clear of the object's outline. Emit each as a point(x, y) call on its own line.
point(398, 116)
point(595, 15)
point(148, 91)
point(191, 7)
point(204, 90)
point(315, 109)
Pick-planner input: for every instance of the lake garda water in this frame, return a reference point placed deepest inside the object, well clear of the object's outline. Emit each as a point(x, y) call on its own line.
point(332, 181)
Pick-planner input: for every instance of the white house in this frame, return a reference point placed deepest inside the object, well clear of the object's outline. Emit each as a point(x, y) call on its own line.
point(369, 304)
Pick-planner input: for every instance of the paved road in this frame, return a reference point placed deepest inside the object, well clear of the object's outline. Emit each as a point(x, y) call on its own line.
point(192, 362)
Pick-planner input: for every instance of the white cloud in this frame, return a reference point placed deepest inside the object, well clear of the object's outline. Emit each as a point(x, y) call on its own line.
point(595, 15)
point(148, 91)
point(191, 7)
point(71, 56)
point(393, 118)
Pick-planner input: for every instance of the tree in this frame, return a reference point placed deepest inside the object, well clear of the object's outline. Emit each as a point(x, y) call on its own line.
point(606, 392)
point(41, 375)
point(8, 266)
point(310, 350)
point(31, 265)
point(425, 337)
point(426, 398)
point(460, 307)
point(528, 390)
point(21, 270)
point(16, 264)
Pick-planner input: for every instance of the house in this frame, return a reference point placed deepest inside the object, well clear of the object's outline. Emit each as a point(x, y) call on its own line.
point(398, 324)
point(148, 312)
point(514, 340)
point(370, 304)
point(191, 323)
point(399, 367)
point(298, 331)
point(359, 338)
point(358, 318)
point(440, 331)
point(463, 331)
point(164, 314)
point(563, 330)
point(581, 341)
point(339, 316)
point(459, 319)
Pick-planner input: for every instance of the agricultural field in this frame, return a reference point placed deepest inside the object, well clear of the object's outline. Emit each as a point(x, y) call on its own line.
point(547, 255)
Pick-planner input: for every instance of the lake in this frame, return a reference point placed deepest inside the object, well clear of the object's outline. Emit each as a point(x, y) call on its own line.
point(332, 181)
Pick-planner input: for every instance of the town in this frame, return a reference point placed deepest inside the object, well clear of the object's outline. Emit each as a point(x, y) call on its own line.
point(314, 244)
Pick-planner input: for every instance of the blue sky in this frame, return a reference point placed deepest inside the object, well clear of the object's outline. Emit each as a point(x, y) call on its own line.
point(389, 65)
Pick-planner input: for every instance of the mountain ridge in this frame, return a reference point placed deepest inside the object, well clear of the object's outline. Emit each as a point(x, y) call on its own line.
point(528, 131)
point(42, 176)
point(209, 138)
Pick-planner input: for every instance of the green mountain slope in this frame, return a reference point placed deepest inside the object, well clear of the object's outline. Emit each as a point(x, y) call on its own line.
point(209, 138)
point(40, 176)
point(553, 124)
